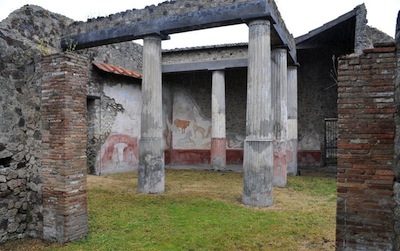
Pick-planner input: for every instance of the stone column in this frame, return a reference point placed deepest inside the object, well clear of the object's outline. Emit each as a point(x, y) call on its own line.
point(292, 120)
point(64, 137)
point(218, 134)
point(280, 99)
point(151, 177)
point(258, 145)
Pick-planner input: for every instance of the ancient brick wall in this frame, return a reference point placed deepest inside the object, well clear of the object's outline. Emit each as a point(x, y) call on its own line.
point(396, 187)
point(366, 108)
point(64, 88)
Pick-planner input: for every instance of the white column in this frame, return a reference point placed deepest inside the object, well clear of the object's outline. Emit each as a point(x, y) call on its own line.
point(218, 133)
point(292, 119)
point(258, 146)
point(280, 100)
point(151, 176)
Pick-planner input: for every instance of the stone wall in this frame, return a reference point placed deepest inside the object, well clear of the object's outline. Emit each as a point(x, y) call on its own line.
point(366, 108)
point(317, 92)
point(205, 53)
point(20, 182)
point(25, 37)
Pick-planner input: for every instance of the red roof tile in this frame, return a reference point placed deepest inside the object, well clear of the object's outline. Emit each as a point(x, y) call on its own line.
point(117, 70)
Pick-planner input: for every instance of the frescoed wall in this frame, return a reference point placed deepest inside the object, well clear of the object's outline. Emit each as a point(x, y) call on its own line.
point(119, 152)
point(190, 123)
point(114, 111)
point(190, 130)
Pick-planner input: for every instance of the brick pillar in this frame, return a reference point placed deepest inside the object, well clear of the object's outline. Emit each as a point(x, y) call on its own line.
point(279, 97)
point(365, 179)
point(292, 120)
point(218, 135)
point(151, 147)
point(258, 146)
point(64, 166)
point(397, 140)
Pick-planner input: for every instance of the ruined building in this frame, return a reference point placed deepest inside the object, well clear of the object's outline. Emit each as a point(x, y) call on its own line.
point(97, 119)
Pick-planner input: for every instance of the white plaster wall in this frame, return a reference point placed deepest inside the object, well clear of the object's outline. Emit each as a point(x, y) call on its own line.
point(129, 96)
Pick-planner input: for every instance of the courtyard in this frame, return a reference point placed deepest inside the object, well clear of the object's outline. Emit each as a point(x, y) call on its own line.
point(202, 210)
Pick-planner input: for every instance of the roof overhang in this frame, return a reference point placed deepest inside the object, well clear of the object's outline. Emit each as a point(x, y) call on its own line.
point(117, 70)
point(339, 32)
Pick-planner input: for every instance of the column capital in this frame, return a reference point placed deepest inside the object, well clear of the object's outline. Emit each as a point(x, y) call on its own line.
point(258, 21)
point(160, 35)
point(252, 22)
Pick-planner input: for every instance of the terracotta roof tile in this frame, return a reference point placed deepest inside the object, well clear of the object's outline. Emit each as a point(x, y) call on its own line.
point(117, 70)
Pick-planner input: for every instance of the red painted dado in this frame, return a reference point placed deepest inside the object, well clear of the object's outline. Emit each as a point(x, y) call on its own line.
point(197, 157)
point(234, 156)
point(282, 156)
point(119, 153)
point(218, 148)
point(309, 158)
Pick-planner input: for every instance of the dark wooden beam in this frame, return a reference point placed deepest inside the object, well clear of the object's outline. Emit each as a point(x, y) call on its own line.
point(203, 19)
point(231, 14)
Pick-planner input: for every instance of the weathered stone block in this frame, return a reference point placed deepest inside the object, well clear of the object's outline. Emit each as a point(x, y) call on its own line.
point(12, 184)
point(12, 227)
point(13, 174)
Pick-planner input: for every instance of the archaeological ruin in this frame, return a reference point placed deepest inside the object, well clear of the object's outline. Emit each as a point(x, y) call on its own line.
point(81, 98)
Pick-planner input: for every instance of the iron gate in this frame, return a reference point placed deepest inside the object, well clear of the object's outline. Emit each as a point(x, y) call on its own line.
point(330, 149)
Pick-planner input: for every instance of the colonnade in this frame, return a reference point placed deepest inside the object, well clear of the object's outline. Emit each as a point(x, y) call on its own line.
point(270, 147)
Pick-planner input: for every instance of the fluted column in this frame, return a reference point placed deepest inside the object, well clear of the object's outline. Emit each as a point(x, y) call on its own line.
point(218, 133)
point(258, 146)
point(151, 176)
point(292, 119)
point(280, 100)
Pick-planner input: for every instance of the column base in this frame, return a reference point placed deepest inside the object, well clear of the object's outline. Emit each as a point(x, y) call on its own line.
point(280, 163)
point(257, 173)
point(218, 153)
point(292, 158)
point(151, 173)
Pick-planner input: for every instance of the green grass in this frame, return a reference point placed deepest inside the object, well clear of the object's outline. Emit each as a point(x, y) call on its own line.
point(201, 210)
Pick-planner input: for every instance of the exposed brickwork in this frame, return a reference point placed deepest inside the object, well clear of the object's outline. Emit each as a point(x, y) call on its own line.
point(64, 87)
point(366, 108)
point(396, 188)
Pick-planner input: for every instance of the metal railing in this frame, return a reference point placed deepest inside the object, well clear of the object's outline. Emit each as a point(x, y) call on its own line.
point(330, 144)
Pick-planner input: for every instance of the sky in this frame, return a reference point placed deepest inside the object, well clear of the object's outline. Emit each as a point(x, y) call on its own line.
point(300, 16)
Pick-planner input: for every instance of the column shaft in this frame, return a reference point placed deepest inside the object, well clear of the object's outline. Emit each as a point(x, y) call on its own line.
point(218, 133)
point(258, 146)
point(292, 119)
point(151, 176)
point(280, 104)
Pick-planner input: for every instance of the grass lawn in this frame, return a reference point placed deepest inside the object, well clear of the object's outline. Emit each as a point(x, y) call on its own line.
point(202, 210)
